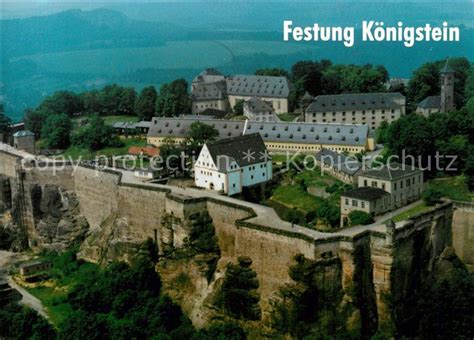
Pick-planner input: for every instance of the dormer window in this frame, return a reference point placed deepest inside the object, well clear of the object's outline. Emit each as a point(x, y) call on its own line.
point(325, 129)
point(357, 139)
point(167, 124)
point(343, 138)
point(330, 138)
point(338, 130)
point(304, 136)
point(286, 128)
point(351, 130)
point(316, 137)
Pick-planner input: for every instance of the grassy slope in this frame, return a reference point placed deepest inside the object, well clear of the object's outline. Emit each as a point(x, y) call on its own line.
point(75, 152)
point(454, 188)
point(53, 293)
point(292, 195)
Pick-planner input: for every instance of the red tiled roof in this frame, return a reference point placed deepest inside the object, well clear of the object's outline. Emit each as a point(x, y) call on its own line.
point(147, 150)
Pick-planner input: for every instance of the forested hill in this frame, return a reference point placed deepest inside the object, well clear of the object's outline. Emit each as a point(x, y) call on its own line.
point(139, 45)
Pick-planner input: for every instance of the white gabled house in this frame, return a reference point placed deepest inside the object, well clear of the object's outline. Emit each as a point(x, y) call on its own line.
point(230, 164)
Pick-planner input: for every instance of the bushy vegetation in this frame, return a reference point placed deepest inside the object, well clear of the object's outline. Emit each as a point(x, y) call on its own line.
point(19, 322)
point(238, 295)
point(303, 310)
point(431, 196)
point(96, 135)
point(358, 217)
point(444, 308)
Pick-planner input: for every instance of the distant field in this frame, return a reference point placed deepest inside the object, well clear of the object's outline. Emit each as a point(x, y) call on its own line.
point(177, 54)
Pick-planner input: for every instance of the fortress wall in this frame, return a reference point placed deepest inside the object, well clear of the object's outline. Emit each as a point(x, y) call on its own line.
point(142, 208)
point(8, 164)
point(61, 176)
point(97, 192)
point(463, 233)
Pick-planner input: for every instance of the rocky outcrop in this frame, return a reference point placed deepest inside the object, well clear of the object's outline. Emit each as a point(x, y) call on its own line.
point(59, 223)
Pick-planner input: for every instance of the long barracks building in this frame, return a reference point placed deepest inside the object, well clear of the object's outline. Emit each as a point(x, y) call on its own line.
point(279, 137)
point(360, 108)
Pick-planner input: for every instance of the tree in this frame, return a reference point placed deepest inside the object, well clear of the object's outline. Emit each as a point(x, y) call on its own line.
point(358, 217)
point(174, 99)
point(91, 101)
point(221, 331)
point(5, 121)
point(239, 107)
point(200, 133)
point(238, 295)
point(62, 102)
point(424, 83)
point(309, 74)
point(329, 213)
point(146, 103)
point(469, 172)
point(431, 195)
point(354, 79)
point(19, 322)
point(34, 120)
point(56, 131)
point(96, 135)
point(274, 72)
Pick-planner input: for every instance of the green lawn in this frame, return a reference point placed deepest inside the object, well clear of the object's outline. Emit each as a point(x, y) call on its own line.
point(287, 117)
point(75, 152)
point(410, 212)
point(54, 300)
point(114, 119)
point(453, 187)
point(294, 197)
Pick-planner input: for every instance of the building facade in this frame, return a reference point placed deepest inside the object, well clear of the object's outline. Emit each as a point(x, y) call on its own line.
point(362, 108)
point(233, 163)
point(211, 89)
point(24, 140)
point(373, 201)
point(445, 101)
point(339, 165)
point(258, 110)
point(404, 183)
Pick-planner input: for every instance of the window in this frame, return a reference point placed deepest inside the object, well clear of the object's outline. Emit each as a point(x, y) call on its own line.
point(374, 184)
point(394, 186)
point(362, 204)
point(355, 203)
point(365, 182)
point(347, 201)
point(383, 186)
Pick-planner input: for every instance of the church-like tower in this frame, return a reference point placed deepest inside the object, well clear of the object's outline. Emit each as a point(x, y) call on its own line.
point(447, 88)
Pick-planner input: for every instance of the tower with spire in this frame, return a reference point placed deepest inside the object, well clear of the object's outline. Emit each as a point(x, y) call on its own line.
point(447, 88)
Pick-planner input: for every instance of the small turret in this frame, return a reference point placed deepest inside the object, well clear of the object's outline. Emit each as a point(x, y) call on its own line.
point(447, 88)
point(390, 232)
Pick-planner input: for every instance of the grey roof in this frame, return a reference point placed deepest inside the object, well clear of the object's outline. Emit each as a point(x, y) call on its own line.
point(365, 193)
point(310, 133)
point(304, 133)
point(23, 133)
point(209, 91)
point(209, 75)
point(33, 263)
point(355, 101)
point(447, 68)
point(124, 125)
point(394, 171)
point(143, 124)
point(260, 86)
point(245, 150)
point(430, 102)
point(339, 162)
point(179, 127)
point(255, 105)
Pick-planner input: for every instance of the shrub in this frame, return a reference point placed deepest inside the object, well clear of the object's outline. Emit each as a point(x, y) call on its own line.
point(358, 217)
point(431, 196)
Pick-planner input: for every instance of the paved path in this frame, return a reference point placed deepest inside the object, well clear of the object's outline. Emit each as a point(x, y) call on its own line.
point(28, 299)
point(266, 216)
point(7, 260)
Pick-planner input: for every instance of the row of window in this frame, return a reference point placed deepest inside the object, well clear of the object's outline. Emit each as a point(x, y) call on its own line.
point(353, 112)
point(311, 147)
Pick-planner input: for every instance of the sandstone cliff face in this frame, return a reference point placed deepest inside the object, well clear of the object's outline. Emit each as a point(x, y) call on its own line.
point(57, 217)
